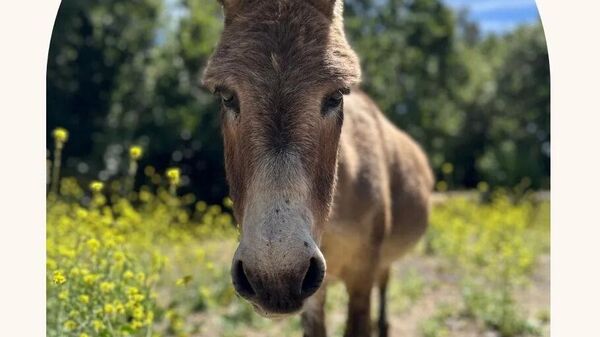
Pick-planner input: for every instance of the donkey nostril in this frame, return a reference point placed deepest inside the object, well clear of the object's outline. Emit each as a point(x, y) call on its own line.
point(240, 281)
point(313, 278)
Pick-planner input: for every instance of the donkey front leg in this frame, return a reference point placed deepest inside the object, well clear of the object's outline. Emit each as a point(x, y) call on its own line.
point(359, 309)
point(313, 316)
point(383, 322)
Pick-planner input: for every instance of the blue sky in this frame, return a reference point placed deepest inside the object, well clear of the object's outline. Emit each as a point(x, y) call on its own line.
point(493, 16)
point(498, 16)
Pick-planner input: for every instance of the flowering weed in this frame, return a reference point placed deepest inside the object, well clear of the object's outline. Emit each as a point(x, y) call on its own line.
point(149, 262)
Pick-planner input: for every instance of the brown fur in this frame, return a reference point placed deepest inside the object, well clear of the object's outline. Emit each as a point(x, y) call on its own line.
point(283, 155)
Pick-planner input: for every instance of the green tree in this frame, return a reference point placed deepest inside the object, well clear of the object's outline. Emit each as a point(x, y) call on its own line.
point(99, 53)
point(519, 131)
point(183, 127)
point(127, 72)
point(412, 67)
point(479, 103)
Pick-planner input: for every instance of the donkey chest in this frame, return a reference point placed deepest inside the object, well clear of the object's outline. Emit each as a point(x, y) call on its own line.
point(348, 247)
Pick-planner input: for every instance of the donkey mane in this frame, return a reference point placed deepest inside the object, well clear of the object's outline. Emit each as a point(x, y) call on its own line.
point(267, 42)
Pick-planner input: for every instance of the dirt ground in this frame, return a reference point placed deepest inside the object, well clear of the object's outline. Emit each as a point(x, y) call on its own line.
point(439, 288)
point(534, 299)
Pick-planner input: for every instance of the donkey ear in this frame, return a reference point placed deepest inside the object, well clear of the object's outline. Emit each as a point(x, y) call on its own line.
point(327, 7)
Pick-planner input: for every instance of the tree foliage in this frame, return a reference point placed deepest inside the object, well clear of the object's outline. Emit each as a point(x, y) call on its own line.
point(126, 72)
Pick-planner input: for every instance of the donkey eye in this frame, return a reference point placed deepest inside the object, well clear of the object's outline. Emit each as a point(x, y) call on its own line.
point(227, 96)
point(333, 101)
point(228, 99)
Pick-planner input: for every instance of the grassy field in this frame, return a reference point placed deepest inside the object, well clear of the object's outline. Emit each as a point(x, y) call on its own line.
point(150, 262)
point(154, 264)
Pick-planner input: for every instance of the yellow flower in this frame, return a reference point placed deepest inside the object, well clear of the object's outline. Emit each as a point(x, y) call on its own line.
point(61, 135)
point(201, 206)
point(138, 313)
point(109, 242)
point(135, 324)
point(227, 202)
point(93, 245)
point(81, 213)
point(70, 325)
point(140, 277)
point(177, 324)
point(66, 252)
point(97, 325)
point(96, 186)
point(85, 299)
point(138, 298)
point(63, 295)
point(89, 278)
point(119, 307)
point(153, 295)
point(119, 256)
point(205, 292)
point(174, 176)
point(132, 291)
point(59, 278)
point(135, 152)
point(447, 168)
point(107, 287)
point(51, 264)
point(145, 196)
point(149, 317)
point(170, 315)
point(128, 275)
point(109, 309)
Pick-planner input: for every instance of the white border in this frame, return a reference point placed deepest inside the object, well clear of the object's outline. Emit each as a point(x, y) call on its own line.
point(25, 30)
point(572, 36)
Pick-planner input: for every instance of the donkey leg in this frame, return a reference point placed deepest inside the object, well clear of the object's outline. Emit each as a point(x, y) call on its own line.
point(383, 322)
point(359, 310)
point(313, 316)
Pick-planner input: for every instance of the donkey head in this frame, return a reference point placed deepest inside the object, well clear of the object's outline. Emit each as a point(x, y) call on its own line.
point(281, 69)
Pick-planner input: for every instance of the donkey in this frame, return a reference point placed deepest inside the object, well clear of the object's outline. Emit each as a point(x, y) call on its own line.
point(320, 179)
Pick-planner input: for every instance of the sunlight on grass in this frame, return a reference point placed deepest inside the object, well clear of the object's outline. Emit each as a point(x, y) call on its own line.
point(151, 262)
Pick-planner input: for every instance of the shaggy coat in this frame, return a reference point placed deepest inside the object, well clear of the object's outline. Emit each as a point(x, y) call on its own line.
point(322, 184)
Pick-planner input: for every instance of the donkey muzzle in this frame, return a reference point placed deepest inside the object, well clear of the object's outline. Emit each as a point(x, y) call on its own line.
point(277, 281)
